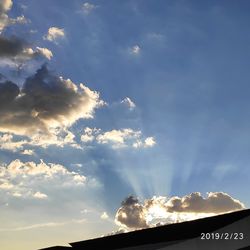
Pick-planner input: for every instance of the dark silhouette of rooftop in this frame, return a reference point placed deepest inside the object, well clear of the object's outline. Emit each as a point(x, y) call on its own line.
point(176, 236)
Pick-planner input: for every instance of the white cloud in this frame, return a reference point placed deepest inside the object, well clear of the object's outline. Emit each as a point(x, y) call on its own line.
point(129, 103)
point(39, 195)
point(89, 134)
point(7, 142)
point(57, 136)
point(162, 210)
point(104, 216)
point(135, 50)
point(28, 152)
point(150, 142)
point(147, 143)
point(45, 52)
point(5, 7)
point(88, 7)
point(54, 33)
point(117, 138)
point(35, 180)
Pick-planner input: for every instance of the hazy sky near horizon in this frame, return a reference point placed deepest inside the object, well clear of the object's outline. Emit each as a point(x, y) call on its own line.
point(100, 100)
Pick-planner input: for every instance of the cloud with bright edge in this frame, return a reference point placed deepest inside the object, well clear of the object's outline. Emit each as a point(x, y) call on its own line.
point(54, 33)
point(28, 152)
point(37, 180)
point(134, 214)
point(5, 20)
point(8, 143)
point(45, 106)
point(14, 51)
point(104, 216)
point(118, 138)
point(45, 52)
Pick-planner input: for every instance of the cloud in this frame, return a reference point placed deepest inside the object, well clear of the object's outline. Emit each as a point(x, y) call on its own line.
point(45, 105)
point(162, 210)
point(129, 103)
point(18, 51)
point(217, 202)
point(45, 52)
point(7, 142)
point(117, 138)
point(104, 216)
point(42, 225)
point(88, 7)
point(35, 180)
point(89, 134)
point(135, 50)
point(131, 214)
point(147, 143)
point(5, 6)
point(119, 231)
point(28, 152)
point(39, 195)
point(54, 33)
point(150, 142)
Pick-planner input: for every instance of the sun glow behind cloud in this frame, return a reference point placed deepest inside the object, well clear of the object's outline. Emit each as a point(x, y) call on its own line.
point(131, 110)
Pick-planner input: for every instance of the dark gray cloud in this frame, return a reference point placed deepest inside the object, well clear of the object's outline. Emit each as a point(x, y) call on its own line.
point(45, 101)
point(17, 50)
point(134, 215)
point(10, 47)
point(131, 214)
point(217, 202)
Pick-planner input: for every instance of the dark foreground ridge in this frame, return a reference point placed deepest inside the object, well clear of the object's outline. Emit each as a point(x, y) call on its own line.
point(232, 228)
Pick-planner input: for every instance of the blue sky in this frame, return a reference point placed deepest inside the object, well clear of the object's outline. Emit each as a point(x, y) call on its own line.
point(167, 108)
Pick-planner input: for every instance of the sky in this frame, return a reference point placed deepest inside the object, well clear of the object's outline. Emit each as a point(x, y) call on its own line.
point(120, 115)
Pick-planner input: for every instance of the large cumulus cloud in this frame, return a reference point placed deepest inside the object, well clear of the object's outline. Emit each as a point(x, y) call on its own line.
point(45, 101)
point(134, 214)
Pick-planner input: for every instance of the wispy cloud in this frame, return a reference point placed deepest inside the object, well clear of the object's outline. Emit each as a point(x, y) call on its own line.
point(135, 50)
point(129, 103)
point(88, 7)
point(42, 225)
